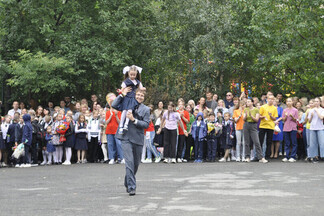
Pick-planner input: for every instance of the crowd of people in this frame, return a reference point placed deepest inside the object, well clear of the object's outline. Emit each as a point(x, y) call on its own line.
point(240, 129)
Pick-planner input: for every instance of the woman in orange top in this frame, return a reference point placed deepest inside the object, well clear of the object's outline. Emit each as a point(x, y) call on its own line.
point(238, 118)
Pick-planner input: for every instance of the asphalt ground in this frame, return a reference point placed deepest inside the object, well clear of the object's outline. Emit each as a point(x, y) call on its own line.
point(228, 188)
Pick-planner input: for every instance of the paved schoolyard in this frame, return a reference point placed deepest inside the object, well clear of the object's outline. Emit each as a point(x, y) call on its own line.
point(165, 189)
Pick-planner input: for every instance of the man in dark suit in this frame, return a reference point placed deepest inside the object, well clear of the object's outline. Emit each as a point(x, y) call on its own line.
point(133, 139)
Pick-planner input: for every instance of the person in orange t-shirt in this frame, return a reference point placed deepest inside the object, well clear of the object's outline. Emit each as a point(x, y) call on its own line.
point(185, 118)
point(238, 118)
point(112, 122)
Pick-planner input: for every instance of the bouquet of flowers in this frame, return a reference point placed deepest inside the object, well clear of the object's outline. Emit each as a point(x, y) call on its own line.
point(18, 151)
point(277, 130)
point(218, 127)
point(214, 126)
point(61, 129)
point(210, 127)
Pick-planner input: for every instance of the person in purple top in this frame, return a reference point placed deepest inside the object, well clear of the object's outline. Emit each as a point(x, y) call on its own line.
point(316, 116)
point(290, 116)
point(170, 121)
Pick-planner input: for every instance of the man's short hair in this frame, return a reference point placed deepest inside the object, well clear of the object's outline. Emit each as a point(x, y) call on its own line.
point(141, 91)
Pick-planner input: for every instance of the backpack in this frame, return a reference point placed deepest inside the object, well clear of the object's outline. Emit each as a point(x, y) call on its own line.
point(38, 132)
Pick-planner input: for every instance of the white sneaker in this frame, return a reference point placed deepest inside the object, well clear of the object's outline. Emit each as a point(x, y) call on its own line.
point(173, 160)
point(122, 161)
point(157, 160)
point(184, 161)
point(84, 161)
point(280, 154)
point(263, 160)
point(166, 160)
point(243, 159)
point(4, 164)
point(18, 166)
point(66, 163)
point(33, 165)
point(233, 158)
point(222, 160)
point(43, 163)
point(112, 161)
point(179, 160)
point(292, 160)
point(49, 163)
point(284, 160)
point(147, 161)
point(229, 159)
point(247, 160)
point(238, 159)
point(27, 165)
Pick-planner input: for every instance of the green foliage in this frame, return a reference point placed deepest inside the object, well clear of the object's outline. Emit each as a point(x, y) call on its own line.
point(289, 37)
point(41, 74)
point(185, 47)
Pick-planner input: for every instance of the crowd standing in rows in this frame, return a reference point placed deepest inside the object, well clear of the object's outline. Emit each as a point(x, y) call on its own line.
point(241, 129)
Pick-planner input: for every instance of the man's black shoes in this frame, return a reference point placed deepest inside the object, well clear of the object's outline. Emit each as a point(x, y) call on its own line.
point(132, 193)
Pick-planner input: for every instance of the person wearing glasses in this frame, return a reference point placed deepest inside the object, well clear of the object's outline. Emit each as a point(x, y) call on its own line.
point(229, 100)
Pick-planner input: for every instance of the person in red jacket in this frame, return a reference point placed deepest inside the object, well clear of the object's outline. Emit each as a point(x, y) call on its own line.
point(185, 118)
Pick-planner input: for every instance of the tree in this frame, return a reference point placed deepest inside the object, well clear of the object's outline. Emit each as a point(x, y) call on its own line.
point(42, 75)
point(185, 47)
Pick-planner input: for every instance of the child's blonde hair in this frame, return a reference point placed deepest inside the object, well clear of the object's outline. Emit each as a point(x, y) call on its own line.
point(227, 113)
point(31, 112)
point(57, 108)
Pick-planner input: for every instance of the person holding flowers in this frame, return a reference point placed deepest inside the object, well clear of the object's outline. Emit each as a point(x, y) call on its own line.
point(277, 136)
point(212, 131)
point(69, 139)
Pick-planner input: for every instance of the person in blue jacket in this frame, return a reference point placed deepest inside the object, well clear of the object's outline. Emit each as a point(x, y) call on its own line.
point(11, 140)
point(199, 133)
point(27, 138)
